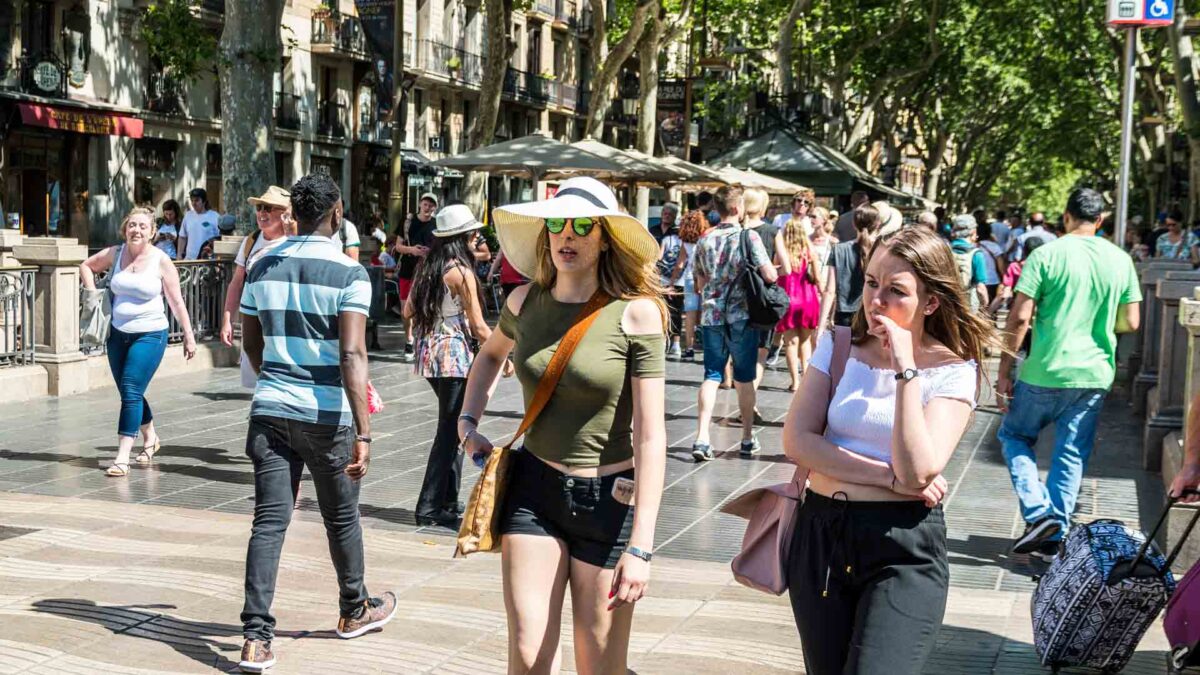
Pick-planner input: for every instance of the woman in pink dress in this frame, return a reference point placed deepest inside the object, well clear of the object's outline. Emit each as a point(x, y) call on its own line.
point(799, 268)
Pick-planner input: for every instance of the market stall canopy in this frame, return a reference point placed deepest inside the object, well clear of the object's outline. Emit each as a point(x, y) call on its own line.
point(691, 176)
point(643, 169)
point(749, 178)
point(793, 156)
point(536, 156)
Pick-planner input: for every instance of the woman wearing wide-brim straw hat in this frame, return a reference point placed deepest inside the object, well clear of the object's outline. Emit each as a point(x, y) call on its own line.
point(567, 516)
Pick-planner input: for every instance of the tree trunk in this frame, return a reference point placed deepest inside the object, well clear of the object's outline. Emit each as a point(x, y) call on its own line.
point(498, 20)
point(647, 125)
point(249, 57)
point(1186, 66)
point(602, 82)
point(787, 39)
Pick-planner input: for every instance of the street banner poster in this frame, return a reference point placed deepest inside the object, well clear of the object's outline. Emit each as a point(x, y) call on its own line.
point(378, 19)
point(672, 117)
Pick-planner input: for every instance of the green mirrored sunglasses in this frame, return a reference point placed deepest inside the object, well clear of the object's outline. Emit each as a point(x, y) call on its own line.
point(582, 226)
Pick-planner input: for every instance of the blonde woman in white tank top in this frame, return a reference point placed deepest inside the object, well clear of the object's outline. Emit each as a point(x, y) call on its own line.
point(141, 275)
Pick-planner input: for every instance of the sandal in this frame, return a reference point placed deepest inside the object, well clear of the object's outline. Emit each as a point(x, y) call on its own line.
point(148, 453)
point(117, 471)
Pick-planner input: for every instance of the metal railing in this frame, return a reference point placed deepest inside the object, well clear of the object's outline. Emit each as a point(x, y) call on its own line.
point(520, 85)
point(287, 111)
point(554, 91)
point(331, 121)
point(442, 59)
point(165, 95)
point(342, 32)
point(202, 284)
point(565, 11)
point(376, 131)
point(544, 7)
point(16, 316)
point(585, 20)
point(570, 96)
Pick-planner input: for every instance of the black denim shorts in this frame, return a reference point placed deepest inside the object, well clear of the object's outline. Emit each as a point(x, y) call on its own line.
point(581, 512)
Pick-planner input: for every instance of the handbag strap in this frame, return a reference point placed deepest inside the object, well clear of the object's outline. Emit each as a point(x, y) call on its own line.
point(558, 362)
point(837, 366)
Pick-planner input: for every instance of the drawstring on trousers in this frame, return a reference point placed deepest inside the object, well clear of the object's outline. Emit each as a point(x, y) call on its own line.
point(839, 526)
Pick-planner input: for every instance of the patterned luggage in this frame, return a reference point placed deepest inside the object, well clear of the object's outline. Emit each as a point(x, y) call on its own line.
point(1100, 596)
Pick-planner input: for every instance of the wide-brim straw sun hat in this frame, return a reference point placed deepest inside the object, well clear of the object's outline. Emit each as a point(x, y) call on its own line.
point(454, 220)
point(519, 225)
point(274, 196)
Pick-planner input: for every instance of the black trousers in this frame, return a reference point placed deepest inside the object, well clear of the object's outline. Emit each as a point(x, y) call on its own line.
point(280, 449)
point(443, 472)
point(675, 309)
point(868, 584)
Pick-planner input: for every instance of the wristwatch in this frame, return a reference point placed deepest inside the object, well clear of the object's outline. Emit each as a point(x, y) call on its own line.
point(907, 374)
point(639, 553)
point(362, 439)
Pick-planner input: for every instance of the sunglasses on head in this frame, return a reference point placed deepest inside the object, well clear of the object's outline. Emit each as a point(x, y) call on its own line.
point(266, 207)
point(582, 226)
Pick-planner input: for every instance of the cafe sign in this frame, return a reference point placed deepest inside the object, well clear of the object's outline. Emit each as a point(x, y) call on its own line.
point(81, 120)
point(47, 76)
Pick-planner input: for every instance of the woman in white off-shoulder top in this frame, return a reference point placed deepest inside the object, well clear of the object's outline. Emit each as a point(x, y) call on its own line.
point(867, 573)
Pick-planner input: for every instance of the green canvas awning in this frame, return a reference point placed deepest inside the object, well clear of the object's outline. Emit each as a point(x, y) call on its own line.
point(802, 159)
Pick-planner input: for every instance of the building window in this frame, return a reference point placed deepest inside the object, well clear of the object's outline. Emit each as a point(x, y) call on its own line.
point(535, 48)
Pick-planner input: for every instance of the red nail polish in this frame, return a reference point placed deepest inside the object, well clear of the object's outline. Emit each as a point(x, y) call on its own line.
point(610, 594)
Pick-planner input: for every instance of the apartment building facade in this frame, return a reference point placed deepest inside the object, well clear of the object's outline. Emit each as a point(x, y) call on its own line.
point(88, 128)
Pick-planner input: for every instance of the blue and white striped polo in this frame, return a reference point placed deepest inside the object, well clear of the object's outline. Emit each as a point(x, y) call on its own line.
point(297, 292)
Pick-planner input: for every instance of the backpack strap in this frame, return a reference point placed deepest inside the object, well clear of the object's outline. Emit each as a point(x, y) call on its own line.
point(248, 245)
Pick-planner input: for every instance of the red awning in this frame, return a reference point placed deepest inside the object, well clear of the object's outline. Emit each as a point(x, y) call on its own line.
point(80, 120)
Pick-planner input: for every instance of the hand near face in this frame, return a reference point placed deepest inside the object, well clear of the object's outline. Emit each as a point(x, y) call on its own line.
point(896, 341)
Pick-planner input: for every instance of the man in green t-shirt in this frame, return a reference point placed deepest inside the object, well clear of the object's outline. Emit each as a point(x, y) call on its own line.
point(1085, 291)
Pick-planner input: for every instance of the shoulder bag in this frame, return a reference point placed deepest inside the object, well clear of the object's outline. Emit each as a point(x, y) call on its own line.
point(480, 530)
point(95, 310)
point(763, 561)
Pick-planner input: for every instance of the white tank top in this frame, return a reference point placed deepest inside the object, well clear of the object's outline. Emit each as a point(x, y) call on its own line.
point(137, 305)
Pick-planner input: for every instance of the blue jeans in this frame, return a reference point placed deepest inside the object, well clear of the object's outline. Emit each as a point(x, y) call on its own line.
point(1074, 413)
point(738, 340)
point(133, 359)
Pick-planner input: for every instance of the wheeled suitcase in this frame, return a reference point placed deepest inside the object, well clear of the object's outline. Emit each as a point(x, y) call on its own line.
point(1182, 619)
point(1100, 596)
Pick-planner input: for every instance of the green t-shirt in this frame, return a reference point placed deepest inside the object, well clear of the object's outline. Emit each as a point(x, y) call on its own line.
point(1077, 284)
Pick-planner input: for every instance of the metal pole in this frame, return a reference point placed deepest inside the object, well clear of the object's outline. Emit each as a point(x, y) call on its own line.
point(1129, 70)
point(399, 122)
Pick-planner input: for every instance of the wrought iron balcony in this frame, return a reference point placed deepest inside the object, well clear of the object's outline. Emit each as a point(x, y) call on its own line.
point(165, 95)
point(375, 131)
point(545, 7)
point(331, 119)
point(447, 61)
point(287, 111)
point(337, 33)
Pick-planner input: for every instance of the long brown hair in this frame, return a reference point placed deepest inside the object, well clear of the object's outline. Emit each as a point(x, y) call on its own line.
point(621, 275)
point(964, 332)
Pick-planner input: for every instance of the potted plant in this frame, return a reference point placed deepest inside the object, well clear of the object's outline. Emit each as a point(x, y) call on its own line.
point(454, 64)
point(547, 75)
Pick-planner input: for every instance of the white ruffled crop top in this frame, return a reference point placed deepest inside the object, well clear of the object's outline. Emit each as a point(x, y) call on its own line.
point(862, 410)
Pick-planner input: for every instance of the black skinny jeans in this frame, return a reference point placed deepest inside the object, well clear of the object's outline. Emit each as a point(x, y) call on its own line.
point(675, 309)
point(443, 473)
point(280, 449)
point(868, 584)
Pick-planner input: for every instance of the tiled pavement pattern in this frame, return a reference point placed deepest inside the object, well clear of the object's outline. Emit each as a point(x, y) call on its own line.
point(133, 576)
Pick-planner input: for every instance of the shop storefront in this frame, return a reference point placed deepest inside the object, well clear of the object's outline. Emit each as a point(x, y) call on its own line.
point(44, 167)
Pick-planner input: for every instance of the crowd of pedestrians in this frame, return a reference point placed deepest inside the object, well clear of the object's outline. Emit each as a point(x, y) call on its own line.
point(884, 330)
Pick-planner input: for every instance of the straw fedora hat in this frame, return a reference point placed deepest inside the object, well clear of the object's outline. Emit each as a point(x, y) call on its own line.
point(274, 196)
point(519, 225)
point(890, 219)
point(455, 219)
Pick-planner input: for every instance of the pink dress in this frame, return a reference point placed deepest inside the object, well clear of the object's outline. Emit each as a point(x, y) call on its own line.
point(805, 310)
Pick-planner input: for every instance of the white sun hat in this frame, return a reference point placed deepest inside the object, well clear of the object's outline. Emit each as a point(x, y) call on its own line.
point(519, 225)
point(890, 219)
point(455, 219)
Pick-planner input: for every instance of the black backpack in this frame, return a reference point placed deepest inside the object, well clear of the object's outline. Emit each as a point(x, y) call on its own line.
point(766, 303)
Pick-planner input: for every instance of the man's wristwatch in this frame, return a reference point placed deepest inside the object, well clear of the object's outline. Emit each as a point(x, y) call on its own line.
point(362, 439)
point(907, 374)
point(639, 553)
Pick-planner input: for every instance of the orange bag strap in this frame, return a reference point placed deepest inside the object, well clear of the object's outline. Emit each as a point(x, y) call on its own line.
point(558, 362)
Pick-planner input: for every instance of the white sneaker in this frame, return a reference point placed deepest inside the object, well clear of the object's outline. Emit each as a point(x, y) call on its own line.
point(674, 352)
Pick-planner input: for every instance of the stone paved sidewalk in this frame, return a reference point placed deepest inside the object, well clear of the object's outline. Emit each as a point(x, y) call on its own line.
point(143, 574)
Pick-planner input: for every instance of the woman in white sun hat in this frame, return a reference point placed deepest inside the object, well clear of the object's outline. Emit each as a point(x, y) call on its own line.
point(445, 310)
point(568, 515)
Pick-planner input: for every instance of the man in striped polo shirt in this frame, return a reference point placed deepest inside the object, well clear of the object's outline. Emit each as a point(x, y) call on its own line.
point(304, 312)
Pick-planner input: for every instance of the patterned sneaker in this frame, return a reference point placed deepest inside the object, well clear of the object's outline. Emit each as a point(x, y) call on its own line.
point(256, 656)
point(702, 452)
point(749, 448)
point(374, 614)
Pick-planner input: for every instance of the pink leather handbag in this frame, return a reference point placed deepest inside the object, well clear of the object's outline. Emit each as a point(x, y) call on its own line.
point(762, 563)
